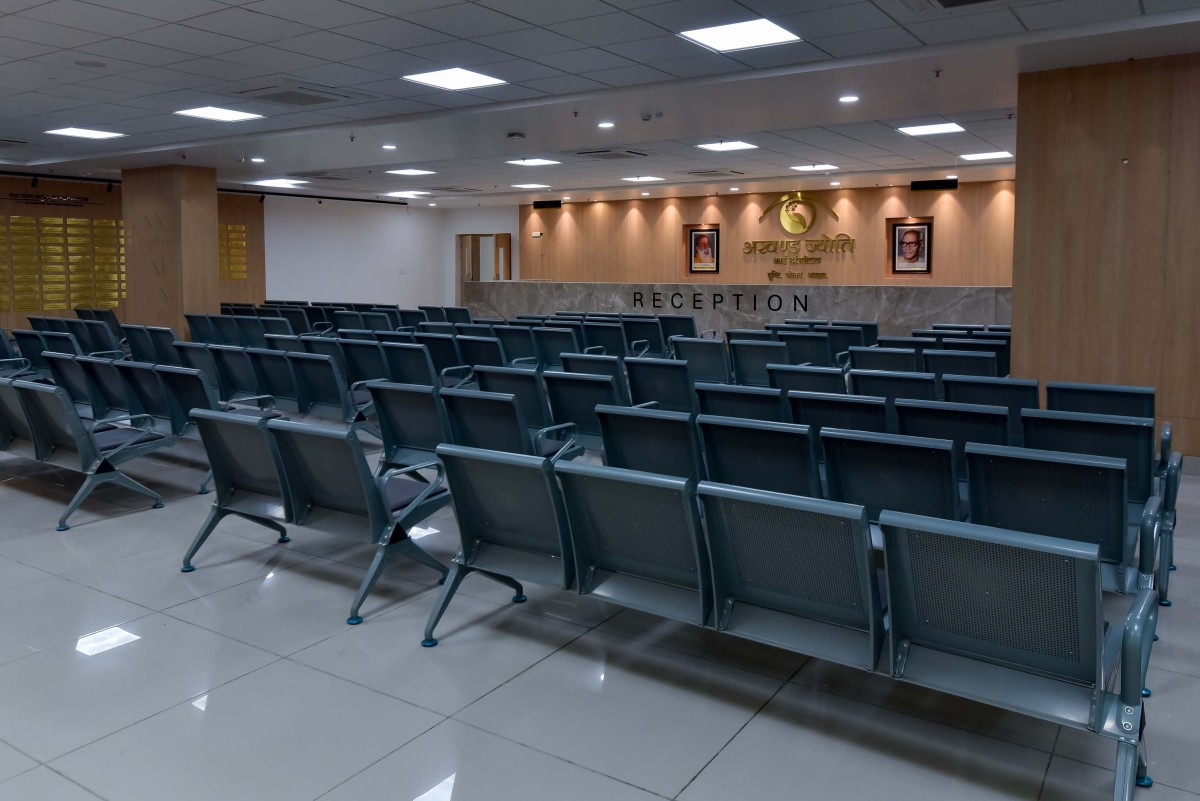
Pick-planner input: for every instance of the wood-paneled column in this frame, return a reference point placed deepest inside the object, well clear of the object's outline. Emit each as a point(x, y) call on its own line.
point(170, 244)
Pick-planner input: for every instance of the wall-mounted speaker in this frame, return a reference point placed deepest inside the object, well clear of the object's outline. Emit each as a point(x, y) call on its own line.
point(547, 204)
point(926, 186)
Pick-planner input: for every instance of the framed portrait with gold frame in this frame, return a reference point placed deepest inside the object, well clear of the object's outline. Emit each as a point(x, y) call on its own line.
point(911, 240)
point(703, 249)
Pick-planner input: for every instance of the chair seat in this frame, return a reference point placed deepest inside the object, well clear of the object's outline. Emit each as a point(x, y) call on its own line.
point(361, 396)
point(116, 437)
point(400, 492)
point(548, 447)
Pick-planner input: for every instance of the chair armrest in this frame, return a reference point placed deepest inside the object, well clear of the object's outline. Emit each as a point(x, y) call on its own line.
point(646, 405)
point(452, 372)
point(321, 328)
point(270, 399)
point(709, 334)
point(644, 343)
point(1140, 624)
point(842, 359)
point(387, 477)
point(407, 329)
point(22, 364)
point(127, 443)
point(1148, 535)
point(1164, 446)
point(523, 360)
point(1170, 483)
point(551, 432)
point(596, 349)
point(120, 354)
point(120, 418)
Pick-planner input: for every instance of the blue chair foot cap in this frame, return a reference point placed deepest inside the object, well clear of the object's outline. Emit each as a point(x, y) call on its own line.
point(158, 505)
point(187, 568)
point(519, 599)
point(1145, 692)
point(1174, 567)
point(354, 621)
point(1164, 603)
point(1155, 638)
point(284, 538)
point(63, 527)
point(204, 491)
point(428, 643)
point(1145, 781)
point(441, 581)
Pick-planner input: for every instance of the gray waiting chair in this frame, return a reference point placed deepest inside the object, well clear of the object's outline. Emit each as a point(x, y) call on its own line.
point(596, 364)
point(750, 360)
point(869, 328)
point(754, 403)
point(644, 336)
point(677, 325)
point(665, 382)
point(1014, 394)
point(852, 412)
point(551, 343)
point(961, 362)
point(485, 350)
point(412, 423)
point(813, 591)
point(526, 385)
point(958, 422)
point(610, 337)
point(811, 348)
point(893, 385)
point(1069, 396)
point(997, 347)
point(805, 378)
point(517, 341)
point(493, 421)
point(1016, 621)
point(889, 471)
point(325, 393)
point(707, 359)
point(770, 456)
point(651, 440)
point(903, 360)
point(919, 344)
point(749, 335)
point(573, 398)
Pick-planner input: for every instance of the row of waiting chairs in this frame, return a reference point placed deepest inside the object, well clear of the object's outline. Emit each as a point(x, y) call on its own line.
point(998, 616)
point(91, 336)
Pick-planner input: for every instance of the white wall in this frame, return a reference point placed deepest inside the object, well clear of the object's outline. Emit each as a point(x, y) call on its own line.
point(358, 252)
point(484, 220)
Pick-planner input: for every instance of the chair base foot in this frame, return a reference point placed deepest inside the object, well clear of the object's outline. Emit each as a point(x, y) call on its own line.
point(1146, 692)
point(1145, 781)
point(354, 621)
point(284, 539)
point(187, 568)
point(204, 491)
point(519, 599)
point(1174, 567)
point(1155, 638)
point(158, 505)
point(428, 643)
point(441, 581)
point(63, 527)
point(1165, 603)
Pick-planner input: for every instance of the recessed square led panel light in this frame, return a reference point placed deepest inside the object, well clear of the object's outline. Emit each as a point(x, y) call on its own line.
point(85, 133)
point(642, 179)
point(532, 162)
point(218, 114)
point(740, 36)
point(723, 146)
point(408, 194)
point(530, 186)
point(815, 167)
point(411, 171)
point(848, 99)
point(281, 183)
point(999, 154)
point(105, 640)
point(927, 130)
point(454, 79)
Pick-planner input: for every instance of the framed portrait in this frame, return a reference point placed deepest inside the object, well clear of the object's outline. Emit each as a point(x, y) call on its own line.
point(911, 244)
point(704, 250)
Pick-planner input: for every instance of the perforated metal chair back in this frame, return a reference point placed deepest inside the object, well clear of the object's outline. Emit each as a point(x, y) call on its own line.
point(854, 412)
point(750, 360)
point(473, 330)
point(147, 391)
point(551, 343)
point(275, 377)
point(251, 332)
point(485, 350)
point(434, 314)
point(841, 338)
point(775, 457)
point(285, 343)
point(412, 421)
point(60, 342)
point(296, 318)
point(1128, 438)
point(276, 326)
point(376, 321)
point(607, 335)
point(648, 330)
point(754, 403)
point(141, 346)
point(526, 385)
point(628, 525)
point(707, 359)
point(997, 347)
point(164, 344)
point(961, 362)
point(364, 360)
point(892, 385)
point(667, 382)
point(411, 318)
point(225, 330)
point(590, 364)
point(749, 335)
point(803, 378)
point(517, 340)
point(402, 337)
point(457, 314)
point(108, 386)
point(677, 325)
point(958, 422)
point(651, 441)
point(51, 414)
point(573, 398)
point(1066, 396)
point(348, 319)
point(325, 346)
point(812, 348)
point(489, 420)
point(919, 344)
point(200, 327)
point(888, 471)
point(779, 557)
point(235, 371)
point(15, 428)
point(903, 360)
point(409, 364)
point(437, 328)
point(443, 350)
point(68, 374)
point(187, 390)
point(322, 386)
point(870, 329)
point(1014, 394)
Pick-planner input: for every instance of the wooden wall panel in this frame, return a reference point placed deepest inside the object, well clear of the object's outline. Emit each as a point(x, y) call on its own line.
point(641, 241)
point(1104, 277)
point(248, 211)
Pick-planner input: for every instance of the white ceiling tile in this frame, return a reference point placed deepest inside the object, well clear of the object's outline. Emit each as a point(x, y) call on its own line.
point(138, 52)
point(699, 65)
point(156, 122)
point(69, 59)
point(325, 14)
point(460, 53)
point(13, 6)
point(779, 55)
point(33, 30)
point(629, 76)
point(339, 75)
point(973, 26)
point(835, 21)
point(84, 92)
point(529, 42)
point(466, 20)
point(391, 87)
point(1158, 6)
point(167, 11)
point(189, 40)
point(609, 28)
point(508, 91)
point(684, 15)
point(587, 59)
point(394, 34)
point(220, 70)
point(399, 106)
point(521, 71)
point(906, 12)
point(242, 24)
point(547, 12)
point(331, 46)
point(16, 48)
point(28, 75)
point(169, 78)
point(862, 42)
point(395, 64)
point(401, 8)
point(779, 8)
point(564, 84)
point(278, 60)
point(85, 16)
point(656, 48)
point(1062, 13)
point(450, 99)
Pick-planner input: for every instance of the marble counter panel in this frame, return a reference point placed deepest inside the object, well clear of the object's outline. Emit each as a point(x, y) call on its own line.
point(898, 309)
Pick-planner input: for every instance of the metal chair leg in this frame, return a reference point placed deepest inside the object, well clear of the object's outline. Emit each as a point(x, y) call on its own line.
point(215, 516)
point(368, 584)
point(204, 488)
point(122, 480)
point(89, 485)
point(457, 574)
point(418, 554)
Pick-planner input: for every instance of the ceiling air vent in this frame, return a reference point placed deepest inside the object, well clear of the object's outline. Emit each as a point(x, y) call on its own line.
point(301, 95)
point(920, 6)
point(610, 155)
point(12, 142)
point(715, 173)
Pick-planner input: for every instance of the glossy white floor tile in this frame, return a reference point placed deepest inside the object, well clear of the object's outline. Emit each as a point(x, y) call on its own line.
point(13, 762)
point(43, 784)
point(645, 715)
point(62, 698)
point(455, 761)
point(283, 733)
point(15, 574)
point(1068, 780)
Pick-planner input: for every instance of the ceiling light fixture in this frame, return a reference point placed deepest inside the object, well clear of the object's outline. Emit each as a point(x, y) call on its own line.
point(929, 130)
point(815, 167)
point(409, 193)
point(645, 194)
point(605, 124)
point(410, 171)
point(532, 162)
point(566, 197)
point(642, 179)
point(389, 147)
point(257, 160)
point(281, 183)
point(723, 146)
point(454, 79)
point(999, 154)
point(85, 133)
point(848, 99)
point(432, 204)
point(218, 114)
point(951, 177)
point(740, 36)
point(530, 186)
point(835, 183)
point(733, 189)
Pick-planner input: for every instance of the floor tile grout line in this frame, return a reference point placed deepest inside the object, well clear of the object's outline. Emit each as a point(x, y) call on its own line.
point(1049, 764)
point(1157, 783)
point(377, 761)
point(82, 786)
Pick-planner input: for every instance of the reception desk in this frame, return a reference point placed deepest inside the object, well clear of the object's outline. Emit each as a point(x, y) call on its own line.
point(898, 309)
